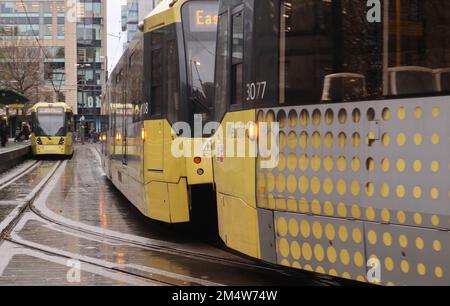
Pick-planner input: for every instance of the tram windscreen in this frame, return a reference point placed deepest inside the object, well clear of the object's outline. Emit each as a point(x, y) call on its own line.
point(50, 122)
point(200, 28)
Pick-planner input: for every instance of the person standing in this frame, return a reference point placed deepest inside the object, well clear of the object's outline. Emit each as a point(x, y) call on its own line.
point(3, 132)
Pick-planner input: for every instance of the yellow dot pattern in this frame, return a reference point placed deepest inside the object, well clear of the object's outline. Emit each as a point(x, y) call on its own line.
point(321, 244)
point(408, 256)
point(325, 164)
point(325, 169)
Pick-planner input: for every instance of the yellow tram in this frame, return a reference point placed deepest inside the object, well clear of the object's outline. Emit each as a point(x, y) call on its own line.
point(165, 76)
point(357, 98)
point(51, 129)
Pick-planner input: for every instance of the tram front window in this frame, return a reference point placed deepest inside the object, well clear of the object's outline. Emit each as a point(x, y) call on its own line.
point(200, 27)
point(50, 122)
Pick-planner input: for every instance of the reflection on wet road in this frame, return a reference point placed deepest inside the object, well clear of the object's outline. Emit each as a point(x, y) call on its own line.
point(80, 218)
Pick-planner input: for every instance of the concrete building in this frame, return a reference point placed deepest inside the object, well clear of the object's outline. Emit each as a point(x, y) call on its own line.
point(45, 20)
point(71, 37)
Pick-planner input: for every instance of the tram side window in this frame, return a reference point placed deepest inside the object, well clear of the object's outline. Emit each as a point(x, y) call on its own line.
point(221, 94)
point(172, 80)
point(419, 47)
point(328, 52)
point(237, 57)
point(134, 88)
point(69, 122)
point(156, 75)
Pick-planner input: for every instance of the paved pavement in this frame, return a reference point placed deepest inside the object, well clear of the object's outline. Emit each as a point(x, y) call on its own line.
point(80, 230)
point(11, 146)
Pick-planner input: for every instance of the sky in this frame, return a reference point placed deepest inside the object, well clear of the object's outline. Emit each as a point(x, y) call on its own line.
point(115, 45)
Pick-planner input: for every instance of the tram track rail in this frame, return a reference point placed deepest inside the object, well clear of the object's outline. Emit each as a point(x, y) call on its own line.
point(9, 222)
point(14, 217)
point(15, 174)
point(29, 205)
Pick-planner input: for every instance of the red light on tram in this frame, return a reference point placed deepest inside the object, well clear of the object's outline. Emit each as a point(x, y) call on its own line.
point(197, 160)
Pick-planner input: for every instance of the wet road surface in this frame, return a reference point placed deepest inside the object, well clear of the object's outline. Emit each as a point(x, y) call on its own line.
point(79, 230)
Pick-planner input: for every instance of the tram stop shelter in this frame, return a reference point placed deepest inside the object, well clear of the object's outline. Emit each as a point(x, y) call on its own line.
point(12, 106)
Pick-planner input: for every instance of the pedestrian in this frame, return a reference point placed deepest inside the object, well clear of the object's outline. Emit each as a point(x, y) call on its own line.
point(24, 134)
point(3, 132)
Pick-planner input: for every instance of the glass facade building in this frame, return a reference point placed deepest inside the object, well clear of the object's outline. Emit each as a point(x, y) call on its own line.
point(134, 12)
point(91, 48)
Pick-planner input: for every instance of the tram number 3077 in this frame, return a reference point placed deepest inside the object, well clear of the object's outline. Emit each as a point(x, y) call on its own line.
point(256, 91)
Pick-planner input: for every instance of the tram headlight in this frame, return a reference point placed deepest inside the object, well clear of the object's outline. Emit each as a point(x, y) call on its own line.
point(252, 131)
point(61, 141)
point(39, 141)
point(143, 134)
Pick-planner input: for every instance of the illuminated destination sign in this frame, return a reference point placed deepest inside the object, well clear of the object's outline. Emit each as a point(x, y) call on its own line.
point(203, 16)
point(50, 110)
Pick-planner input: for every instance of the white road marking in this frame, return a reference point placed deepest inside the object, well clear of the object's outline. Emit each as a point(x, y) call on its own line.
point(9, 250)
point(40, 204)
point(110, 265)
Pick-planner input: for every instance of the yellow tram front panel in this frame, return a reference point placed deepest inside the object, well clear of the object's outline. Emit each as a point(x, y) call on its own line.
point(165, 184)
point(52, 146)
point(235, 185)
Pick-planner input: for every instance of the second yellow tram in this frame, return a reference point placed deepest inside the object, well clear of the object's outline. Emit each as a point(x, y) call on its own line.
point(165, 76)
point(52, 129)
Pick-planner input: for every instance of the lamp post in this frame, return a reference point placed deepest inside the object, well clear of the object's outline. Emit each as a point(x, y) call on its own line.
point(83, 104)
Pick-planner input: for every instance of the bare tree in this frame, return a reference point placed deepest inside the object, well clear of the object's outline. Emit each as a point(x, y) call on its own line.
point(20, 62)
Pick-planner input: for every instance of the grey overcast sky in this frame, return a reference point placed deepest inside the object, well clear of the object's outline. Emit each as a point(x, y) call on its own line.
point(115, 45)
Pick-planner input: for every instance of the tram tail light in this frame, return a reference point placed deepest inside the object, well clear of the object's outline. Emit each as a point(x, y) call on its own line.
point(62, 141)
point(197, 160)
point(118, 137)
point(39, 141)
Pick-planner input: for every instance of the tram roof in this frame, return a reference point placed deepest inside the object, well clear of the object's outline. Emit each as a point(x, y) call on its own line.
point(66, 107)
point(165, 13)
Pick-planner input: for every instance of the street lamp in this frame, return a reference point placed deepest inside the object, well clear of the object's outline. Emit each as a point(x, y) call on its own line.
point(83, 82)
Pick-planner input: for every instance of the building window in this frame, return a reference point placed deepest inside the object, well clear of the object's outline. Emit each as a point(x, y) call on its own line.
point(54, 72)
